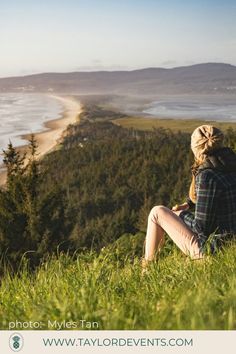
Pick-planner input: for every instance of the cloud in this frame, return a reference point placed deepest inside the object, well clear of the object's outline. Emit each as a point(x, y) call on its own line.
point(97, 62)
point(169, 63)
point(101, 67)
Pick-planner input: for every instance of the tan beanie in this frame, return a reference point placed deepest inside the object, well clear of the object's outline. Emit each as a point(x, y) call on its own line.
point(206, 138)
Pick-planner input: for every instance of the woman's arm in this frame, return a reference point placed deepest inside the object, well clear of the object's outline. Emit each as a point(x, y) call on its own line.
point(184, 206)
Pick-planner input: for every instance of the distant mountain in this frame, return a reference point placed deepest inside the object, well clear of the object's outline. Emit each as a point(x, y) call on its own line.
point(206, 78)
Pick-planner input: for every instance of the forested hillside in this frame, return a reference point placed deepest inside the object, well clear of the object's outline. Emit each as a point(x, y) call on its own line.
point(99, 185)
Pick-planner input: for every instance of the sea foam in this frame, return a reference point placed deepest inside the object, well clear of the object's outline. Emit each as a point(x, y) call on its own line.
point(22, 114)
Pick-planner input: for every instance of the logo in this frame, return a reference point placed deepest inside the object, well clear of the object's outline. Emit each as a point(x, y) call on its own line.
point(16, 342)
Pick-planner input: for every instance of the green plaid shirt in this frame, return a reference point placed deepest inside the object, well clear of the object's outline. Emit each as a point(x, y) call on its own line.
point(215, 209)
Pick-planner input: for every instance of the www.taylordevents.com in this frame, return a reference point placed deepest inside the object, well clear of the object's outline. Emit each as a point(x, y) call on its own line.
point(118, 342)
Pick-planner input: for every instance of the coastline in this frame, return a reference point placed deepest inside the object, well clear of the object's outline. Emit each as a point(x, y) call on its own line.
point(47, 140)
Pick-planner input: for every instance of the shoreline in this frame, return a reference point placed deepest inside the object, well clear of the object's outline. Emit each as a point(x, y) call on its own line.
point(48, 139)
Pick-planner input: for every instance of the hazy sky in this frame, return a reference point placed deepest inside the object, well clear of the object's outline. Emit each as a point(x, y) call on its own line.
point(71, 35)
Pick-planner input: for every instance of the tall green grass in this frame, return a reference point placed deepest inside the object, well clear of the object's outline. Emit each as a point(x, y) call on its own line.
point(176, 293)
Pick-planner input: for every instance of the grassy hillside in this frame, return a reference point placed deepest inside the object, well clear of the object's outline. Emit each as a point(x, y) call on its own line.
point(183, 125)
point(74, 226)
point(177, 293)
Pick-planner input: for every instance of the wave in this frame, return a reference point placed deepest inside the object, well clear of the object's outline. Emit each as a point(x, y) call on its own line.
point(23, 114)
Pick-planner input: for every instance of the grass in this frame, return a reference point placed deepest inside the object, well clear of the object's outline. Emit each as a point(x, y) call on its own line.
point(184, 125)
point(176, 293)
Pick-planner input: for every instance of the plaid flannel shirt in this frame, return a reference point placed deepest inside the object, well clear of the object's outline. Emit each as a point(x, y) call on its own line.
point(215, 209)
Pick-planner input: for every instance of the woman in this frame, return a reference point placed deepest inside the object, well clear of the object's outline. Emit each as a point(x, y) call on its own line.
point(212, 192)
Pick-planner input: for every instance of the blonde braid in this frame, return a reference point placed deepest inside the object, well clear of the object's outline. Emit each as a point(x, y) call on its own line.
point(192, 189)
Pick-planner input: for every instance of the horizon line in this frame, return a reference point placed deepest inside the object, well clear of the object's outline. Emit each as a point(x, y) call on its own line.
point(114, 70)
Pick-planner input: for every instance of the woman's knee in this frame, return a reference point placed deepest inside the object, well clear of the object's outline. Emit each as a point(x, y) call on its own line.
point(156, 211)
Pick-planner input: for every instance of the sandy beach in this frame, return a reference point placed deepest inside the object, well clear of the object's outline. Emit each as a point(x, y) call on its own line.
point(47, 140)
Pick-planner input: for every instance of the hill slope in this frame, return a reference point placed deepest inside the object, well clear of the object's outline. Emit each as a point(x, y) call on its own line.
point(201, 78)
point(176, 294)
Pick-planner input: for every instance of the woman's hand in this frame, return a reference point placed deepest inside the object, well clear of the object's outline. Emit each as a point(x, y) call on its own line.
point(180, 207)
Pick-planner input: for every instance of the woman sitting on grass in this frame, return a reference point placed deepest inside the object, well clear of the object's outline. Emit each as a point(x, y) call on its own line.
point(212, 192)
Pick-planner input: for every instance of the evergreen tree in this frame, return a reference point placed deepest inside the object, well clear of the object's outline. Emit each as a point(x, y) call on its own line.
point(13, 161)
point(31, 188)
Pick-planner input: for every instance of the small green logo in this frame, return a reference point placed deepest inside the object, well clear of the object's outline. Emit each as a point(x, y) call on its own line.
point(16, 342)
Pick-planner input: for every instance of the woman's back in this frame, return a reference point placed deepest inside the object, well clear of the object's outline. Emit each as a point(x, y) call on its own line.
point(216, 190)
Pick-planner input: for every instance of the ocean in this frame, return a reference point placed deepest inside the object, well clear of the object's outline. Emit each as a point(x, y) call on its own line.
point(22, 113)
point(216, 108)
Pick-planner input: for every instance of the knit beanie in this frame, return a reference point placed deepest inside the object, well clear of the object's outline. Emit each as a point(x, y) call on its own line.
point(206, 138)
